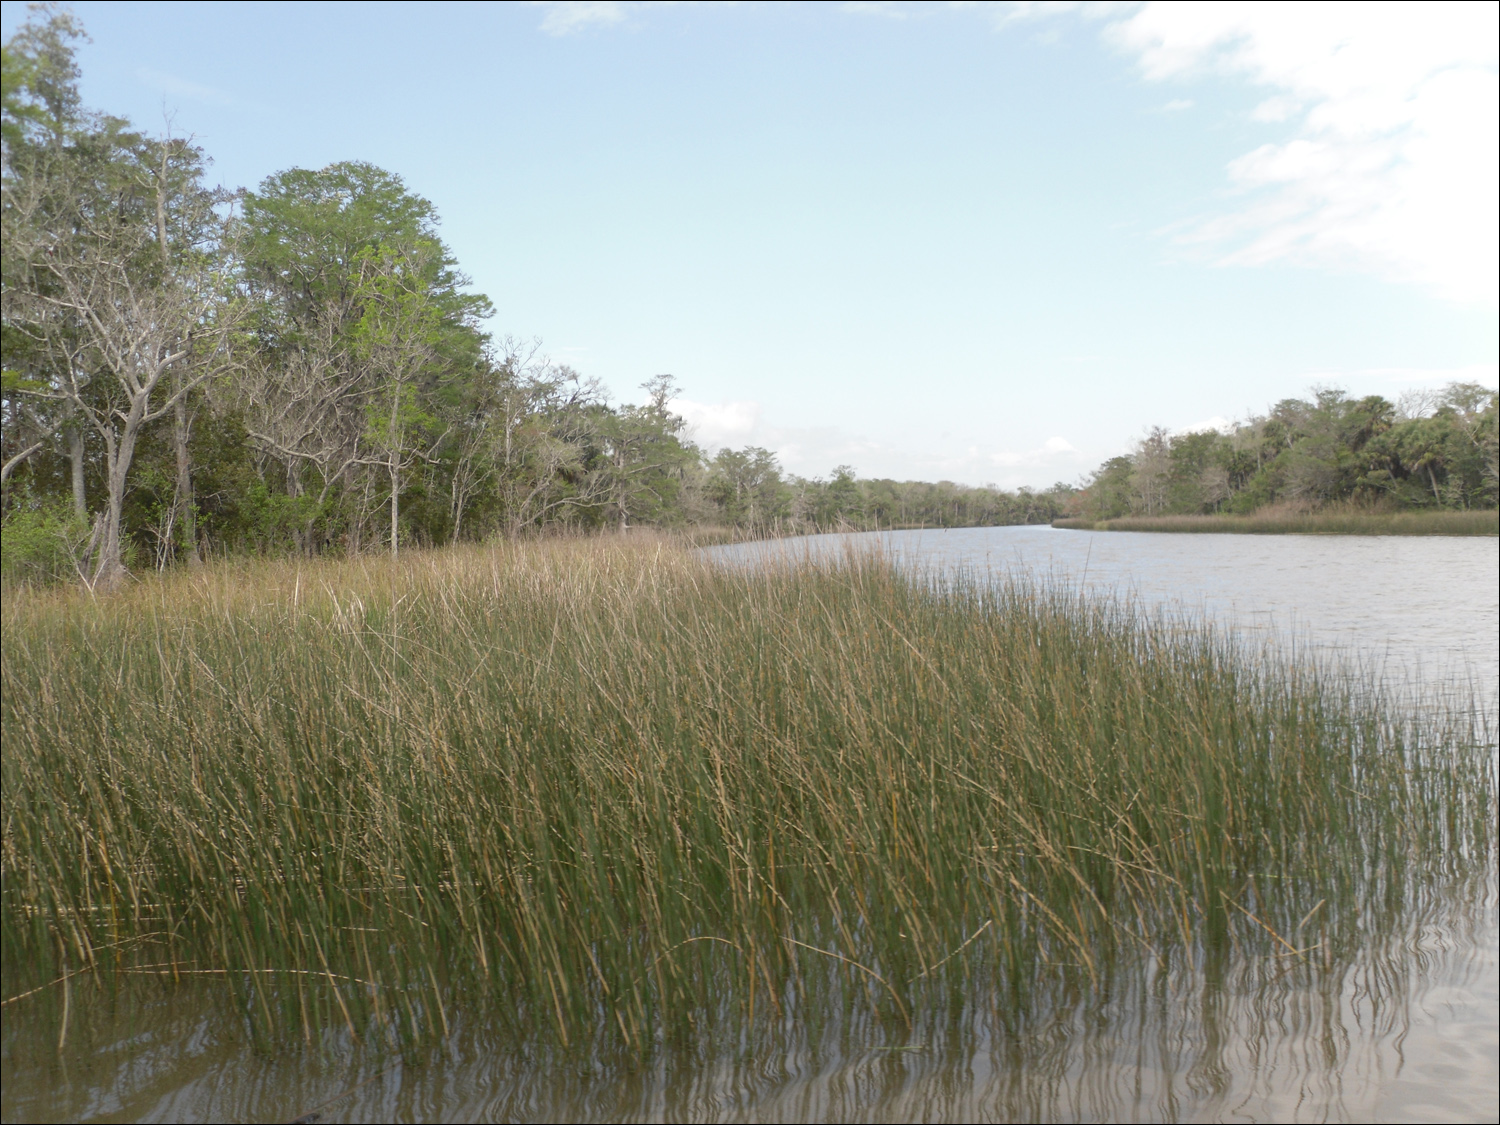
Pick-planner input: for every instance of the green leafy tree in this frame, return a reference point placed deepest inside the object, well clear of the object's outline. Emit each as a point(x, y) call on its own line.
point(317, 405)
point(397, 339)
point(746, 486)
point(643, 459)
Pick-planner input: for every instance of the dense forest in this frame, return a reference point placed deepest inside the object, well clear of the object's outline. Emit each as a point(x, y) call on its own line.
point(1433, 449)
point(304, 368)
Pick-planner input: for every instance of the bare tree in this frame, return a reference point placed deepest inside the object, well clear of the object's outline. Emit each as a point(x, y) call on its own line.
point(1153, 466)
point(546, 440)
point(304, 408)
point(133, 323)
point(499, 404)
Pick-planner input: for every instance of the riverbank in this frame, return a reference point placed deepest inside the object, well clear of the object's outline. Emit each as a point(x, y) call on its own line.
point(1307, 523)
point(605, 792)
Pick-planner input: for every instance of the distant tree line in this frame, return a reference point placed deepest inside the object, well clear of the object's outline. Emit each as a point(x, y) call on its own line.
point(303, 368)
point(1434, 449)
point(746, 488)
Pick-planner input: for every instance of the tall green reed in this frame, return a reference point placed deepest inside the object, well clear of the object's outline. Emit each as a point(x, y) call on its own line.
point(608, 792)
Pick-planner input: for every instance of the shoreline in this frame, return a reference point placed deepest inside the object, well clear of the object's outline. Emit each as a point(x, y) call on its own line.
point(1470, 523)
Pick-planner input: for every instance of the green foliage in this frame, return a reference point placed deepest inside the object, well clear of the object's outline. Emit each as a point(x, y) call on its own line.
point(1437, 451)
point(747, 488)
point(39, 80)
point(41, 545)
point(309, 238)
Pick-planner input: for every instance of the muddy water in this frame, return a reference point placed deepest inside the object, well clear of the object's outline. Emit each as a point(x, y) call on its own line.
point(1408, 1033)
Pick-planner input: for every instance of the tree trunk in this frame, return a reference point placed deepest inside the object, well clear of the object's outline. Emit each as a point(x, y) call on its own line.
point(109, 566)
point(75, 462)
point(620, 495)
point(395, 502)
point(186, 508)
point(182, 500)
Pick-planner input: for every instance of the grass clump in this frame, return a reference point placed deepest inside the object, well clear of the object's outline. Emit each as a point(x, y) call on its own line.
point(1337, 522)
point(609, 792)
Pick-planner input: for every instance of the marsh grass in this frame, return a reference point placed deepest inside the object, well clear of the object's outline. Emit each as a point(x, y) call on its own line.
point(1352, 521)
point(609, 793)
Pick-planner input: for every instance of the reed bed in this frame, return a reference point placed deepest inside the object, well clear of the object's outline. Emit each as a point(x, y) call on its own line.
point(611, 793)
point(1338, 522)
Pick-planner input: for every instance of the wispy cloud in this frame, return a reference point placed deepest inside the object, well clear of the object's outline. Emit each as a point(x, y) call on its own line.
point(1049, 452)
point(569, 17)
point(1485, 374)
point(805, 450)
point(1178, 104)
point(1392, 168)
point(813, 451)
point(182, 88)
point(883, 8)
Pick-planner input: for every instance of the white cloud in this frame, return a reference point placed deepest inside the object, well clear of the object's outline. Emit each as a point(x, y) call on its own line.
point(567, 17)
point(1393, 165)
point(1177, 104)
point(1015, 11)
point(717, 424)
point(806, 451)
point(1273, 110)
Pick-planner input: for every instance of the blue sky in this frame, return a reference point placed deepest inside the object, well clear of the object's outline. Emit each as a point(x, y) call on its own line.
point(982, 242)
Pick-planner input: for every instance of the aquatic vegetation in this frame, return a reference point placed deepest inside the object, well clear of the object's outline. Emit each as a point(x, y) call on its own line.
point(606, 792)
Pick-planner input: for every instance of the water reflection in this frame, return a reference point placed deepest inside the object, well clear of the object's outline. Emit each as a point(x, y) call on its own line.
point(1405, 1033)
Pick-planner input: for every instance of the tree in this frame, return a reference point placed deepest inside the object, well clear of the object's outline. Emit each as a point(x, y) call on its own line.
point(526, 438)
point(117, 287)
point(746, 485)
point(40, 112)
point(1152, 472)
point(341, 262)
point(397, 339)
point(643, 459)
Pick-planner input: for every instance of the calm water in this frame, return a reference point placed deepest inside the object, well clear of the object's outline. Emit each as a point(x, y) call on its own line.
point(1422, 610)
point(1408, 1035)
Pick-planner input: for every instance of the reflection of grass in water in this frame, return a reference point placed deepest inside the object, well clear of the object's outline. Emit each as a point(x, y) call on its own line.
point(1335, 522)
point(607, 793)
point(1271, 1045)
